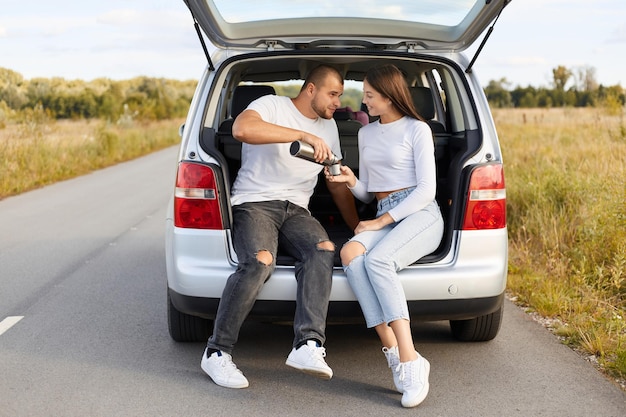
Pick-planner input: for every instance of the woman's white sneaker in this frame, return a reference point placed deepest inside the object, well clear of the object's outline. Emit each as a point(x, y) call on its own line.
point(222, 370)
point(414, 377)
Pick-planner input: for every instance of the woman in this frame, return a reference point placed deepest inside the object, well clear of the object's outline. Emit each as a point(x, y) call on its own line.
point(397, 167)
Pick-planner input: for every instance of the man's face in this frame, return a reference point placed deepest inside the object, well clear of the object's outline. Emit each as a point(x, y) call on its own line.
point(326, 97)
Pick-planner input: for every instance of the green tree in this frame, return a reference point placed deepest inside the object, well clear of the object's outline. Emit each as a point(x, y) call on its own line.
point(111, 102)
point(352, 98)
point(524, 97)
point(612, 98)
point(545, 98)
point(39, 91)
point(561, 76)
point(498, 94)
point(12, 90)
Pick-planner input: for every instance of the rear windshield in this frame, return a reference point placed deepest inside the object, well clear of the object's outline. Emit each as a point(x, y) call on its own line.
point(447, 13)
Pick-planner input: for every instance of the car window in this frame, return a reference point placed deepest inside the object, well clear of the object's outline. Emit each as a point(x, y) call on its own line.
point(448, 13)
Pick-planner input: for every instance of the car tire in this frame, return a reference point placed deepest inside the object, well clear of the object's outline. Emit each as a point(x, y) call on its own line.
point(186, 328)
point(478, 329)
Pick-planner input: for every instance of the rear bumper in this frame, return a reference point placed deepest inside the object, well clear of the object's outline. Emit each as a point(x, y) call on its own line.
point(345, 311)
point(469, 284)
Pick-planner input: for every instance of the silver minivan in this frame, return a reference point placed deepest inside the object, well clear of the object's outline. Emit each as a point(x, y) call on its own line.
point(259, 48)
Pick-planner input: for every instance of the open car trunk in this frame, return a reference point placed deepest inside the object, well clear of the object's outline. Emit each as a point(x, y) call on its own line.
point(433, 86)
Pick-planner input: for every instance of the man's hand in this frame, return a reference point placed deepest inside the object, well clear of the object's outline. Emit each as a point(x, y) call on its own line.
point(321, 149)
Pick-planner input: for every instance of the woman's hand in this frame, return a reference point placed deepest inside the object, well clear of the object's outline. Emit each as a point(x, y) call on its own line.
point(375, 224)
point(346, 176)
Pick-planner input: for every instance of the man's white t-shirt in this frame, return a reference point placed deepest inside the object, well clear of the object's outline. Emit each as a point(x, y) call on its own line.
point(269, 171)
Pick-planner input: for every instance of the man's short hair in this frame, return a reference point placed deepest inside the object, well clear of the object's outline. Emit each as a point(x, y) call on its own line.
point(318, 75)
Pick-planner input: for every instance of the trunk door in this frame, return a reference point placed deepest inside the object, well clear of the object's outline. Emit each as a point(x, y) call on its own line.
point(451, 25)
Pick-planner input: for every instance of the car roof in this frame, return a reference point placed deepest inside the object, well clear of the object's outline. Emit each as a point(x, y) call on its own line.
point(450, 25)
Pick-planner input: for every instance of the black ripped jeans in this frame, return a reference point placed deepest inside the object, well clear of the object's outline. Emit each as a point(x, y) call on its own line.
point(260, 226)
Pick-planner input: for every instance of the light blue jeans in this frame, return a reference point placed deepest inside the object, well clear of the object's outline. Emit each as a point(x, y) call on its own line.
point(374, 275)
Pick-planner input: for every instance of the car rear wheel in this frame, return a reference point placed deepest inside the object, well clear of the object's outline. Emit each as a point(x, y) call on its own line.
point(186, 328)
point(479, 329)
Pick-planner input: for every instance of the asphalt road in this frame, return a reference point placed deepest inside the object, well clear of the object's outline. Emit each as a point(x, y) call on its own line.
point(82, 262)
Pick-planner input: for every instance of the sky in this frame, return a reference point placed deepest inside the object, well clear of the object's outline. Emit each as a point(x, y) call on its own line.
point(122, 39)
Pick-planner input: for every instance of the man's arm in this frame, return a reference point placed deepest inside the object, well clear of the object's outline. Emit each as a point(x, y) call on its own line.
point(250, 128)
point(344, 200)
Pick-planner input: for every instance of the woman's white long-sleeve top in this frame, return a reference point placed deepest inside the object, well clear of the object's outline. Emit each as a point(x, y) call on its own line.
point(397, 155)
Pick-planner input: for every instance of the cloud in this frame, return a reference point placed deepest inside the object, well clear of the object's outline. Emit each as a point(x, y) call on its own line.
point(158, 21)
point(120, 17)
point(526, 61)
point(618, 35)
point(44, 26)
point(516, 61)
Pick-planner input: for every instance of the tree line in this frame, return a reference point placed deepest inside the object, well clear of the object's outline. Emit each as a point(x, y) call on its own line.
point(141, 97)
point(571, 87)
point(149, 98)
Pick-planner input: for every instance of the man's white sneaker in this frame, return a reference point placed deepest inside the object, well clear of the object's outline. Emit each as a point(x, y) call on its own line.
point(393, 360)
point(414, 377)
point(309, 358)
point(220, 367)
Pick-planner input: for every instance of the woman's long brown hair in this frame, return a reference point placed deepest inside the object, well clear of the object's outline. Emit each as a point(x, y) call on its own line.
point(389, 81)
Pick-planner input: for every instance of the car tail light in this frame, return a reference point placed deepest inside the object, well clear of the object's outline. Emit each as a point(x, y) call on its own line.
point(486, 199)
point(196, 203)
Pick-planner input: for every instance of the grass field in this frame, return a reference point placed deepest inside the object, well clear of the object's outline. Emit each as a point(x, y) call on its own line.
point(39, 151)
point(566, 201)
point(566, 195)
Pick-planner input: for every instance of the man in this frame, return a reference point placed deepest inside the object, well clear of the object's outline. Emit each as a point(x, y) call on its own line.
point(270, 197)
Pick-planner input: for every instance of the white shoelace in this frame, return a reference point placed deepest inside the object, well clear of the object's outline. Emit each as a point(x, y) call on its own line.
point(412, 373)
point(320, 351)
point(228, 364)
point(391, 356)
point(400, 370)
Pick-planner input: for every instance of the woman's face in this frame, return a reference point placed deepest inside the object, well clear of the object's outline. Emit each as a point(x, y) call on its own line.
point(377, 105)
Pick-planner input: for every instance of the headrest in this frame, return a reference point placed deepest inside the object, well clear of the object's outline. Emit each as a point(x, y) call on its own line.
point(424, 103)
point(342, 114)
point(362, 117)
point(246, 94)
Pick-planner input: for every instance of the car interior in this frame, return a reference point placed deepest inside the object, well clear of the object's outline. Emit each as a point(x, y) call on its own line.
point(436, 97)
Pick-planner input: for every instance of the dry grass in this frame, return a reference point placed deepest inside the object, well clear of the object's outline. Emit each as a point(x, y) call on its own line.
point(39, 151)
point(566, 195)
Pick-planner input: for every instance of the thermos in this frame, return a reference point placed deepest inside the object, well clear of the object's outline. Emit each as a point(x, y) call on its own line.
point(306, 151)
